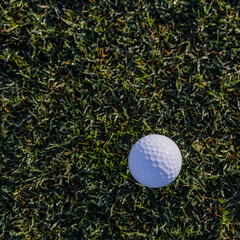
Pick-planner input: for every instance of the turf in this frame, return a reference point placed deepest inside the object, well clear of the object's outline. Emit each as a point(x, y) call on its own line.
point(81, 81)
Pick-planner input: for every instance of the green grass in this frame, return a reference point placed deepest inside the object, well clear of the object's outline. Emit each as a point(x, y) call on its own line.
point(81, 81)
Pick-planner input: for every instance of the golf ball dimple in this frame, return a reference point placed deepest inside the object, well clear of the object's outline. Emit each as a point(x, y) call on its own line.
point(155, 161)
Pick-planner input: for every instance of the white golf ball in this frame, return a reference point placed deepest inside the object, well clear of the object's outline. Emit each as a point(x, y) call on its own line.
point(155, 161)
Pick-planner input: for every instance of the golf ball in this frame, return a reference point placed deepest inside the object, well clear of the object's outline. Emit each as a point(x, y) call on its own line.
point(155, 161)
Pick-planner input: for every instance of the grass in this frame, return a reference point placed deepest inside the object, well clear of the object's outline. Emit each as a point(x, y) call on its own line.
point(81, 81)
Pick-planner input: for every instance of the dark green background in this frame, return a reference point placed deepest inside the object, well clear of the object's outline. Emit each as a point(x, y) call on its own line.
point(81, 81)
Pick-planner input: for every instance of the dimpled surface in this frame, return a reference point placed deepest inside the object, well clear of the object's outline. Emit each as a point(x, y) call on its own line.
point(155, 161)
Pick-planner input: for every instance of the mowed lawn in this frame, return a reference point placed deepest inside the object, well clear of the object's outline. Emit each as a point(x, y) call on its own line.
point(81, 81)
